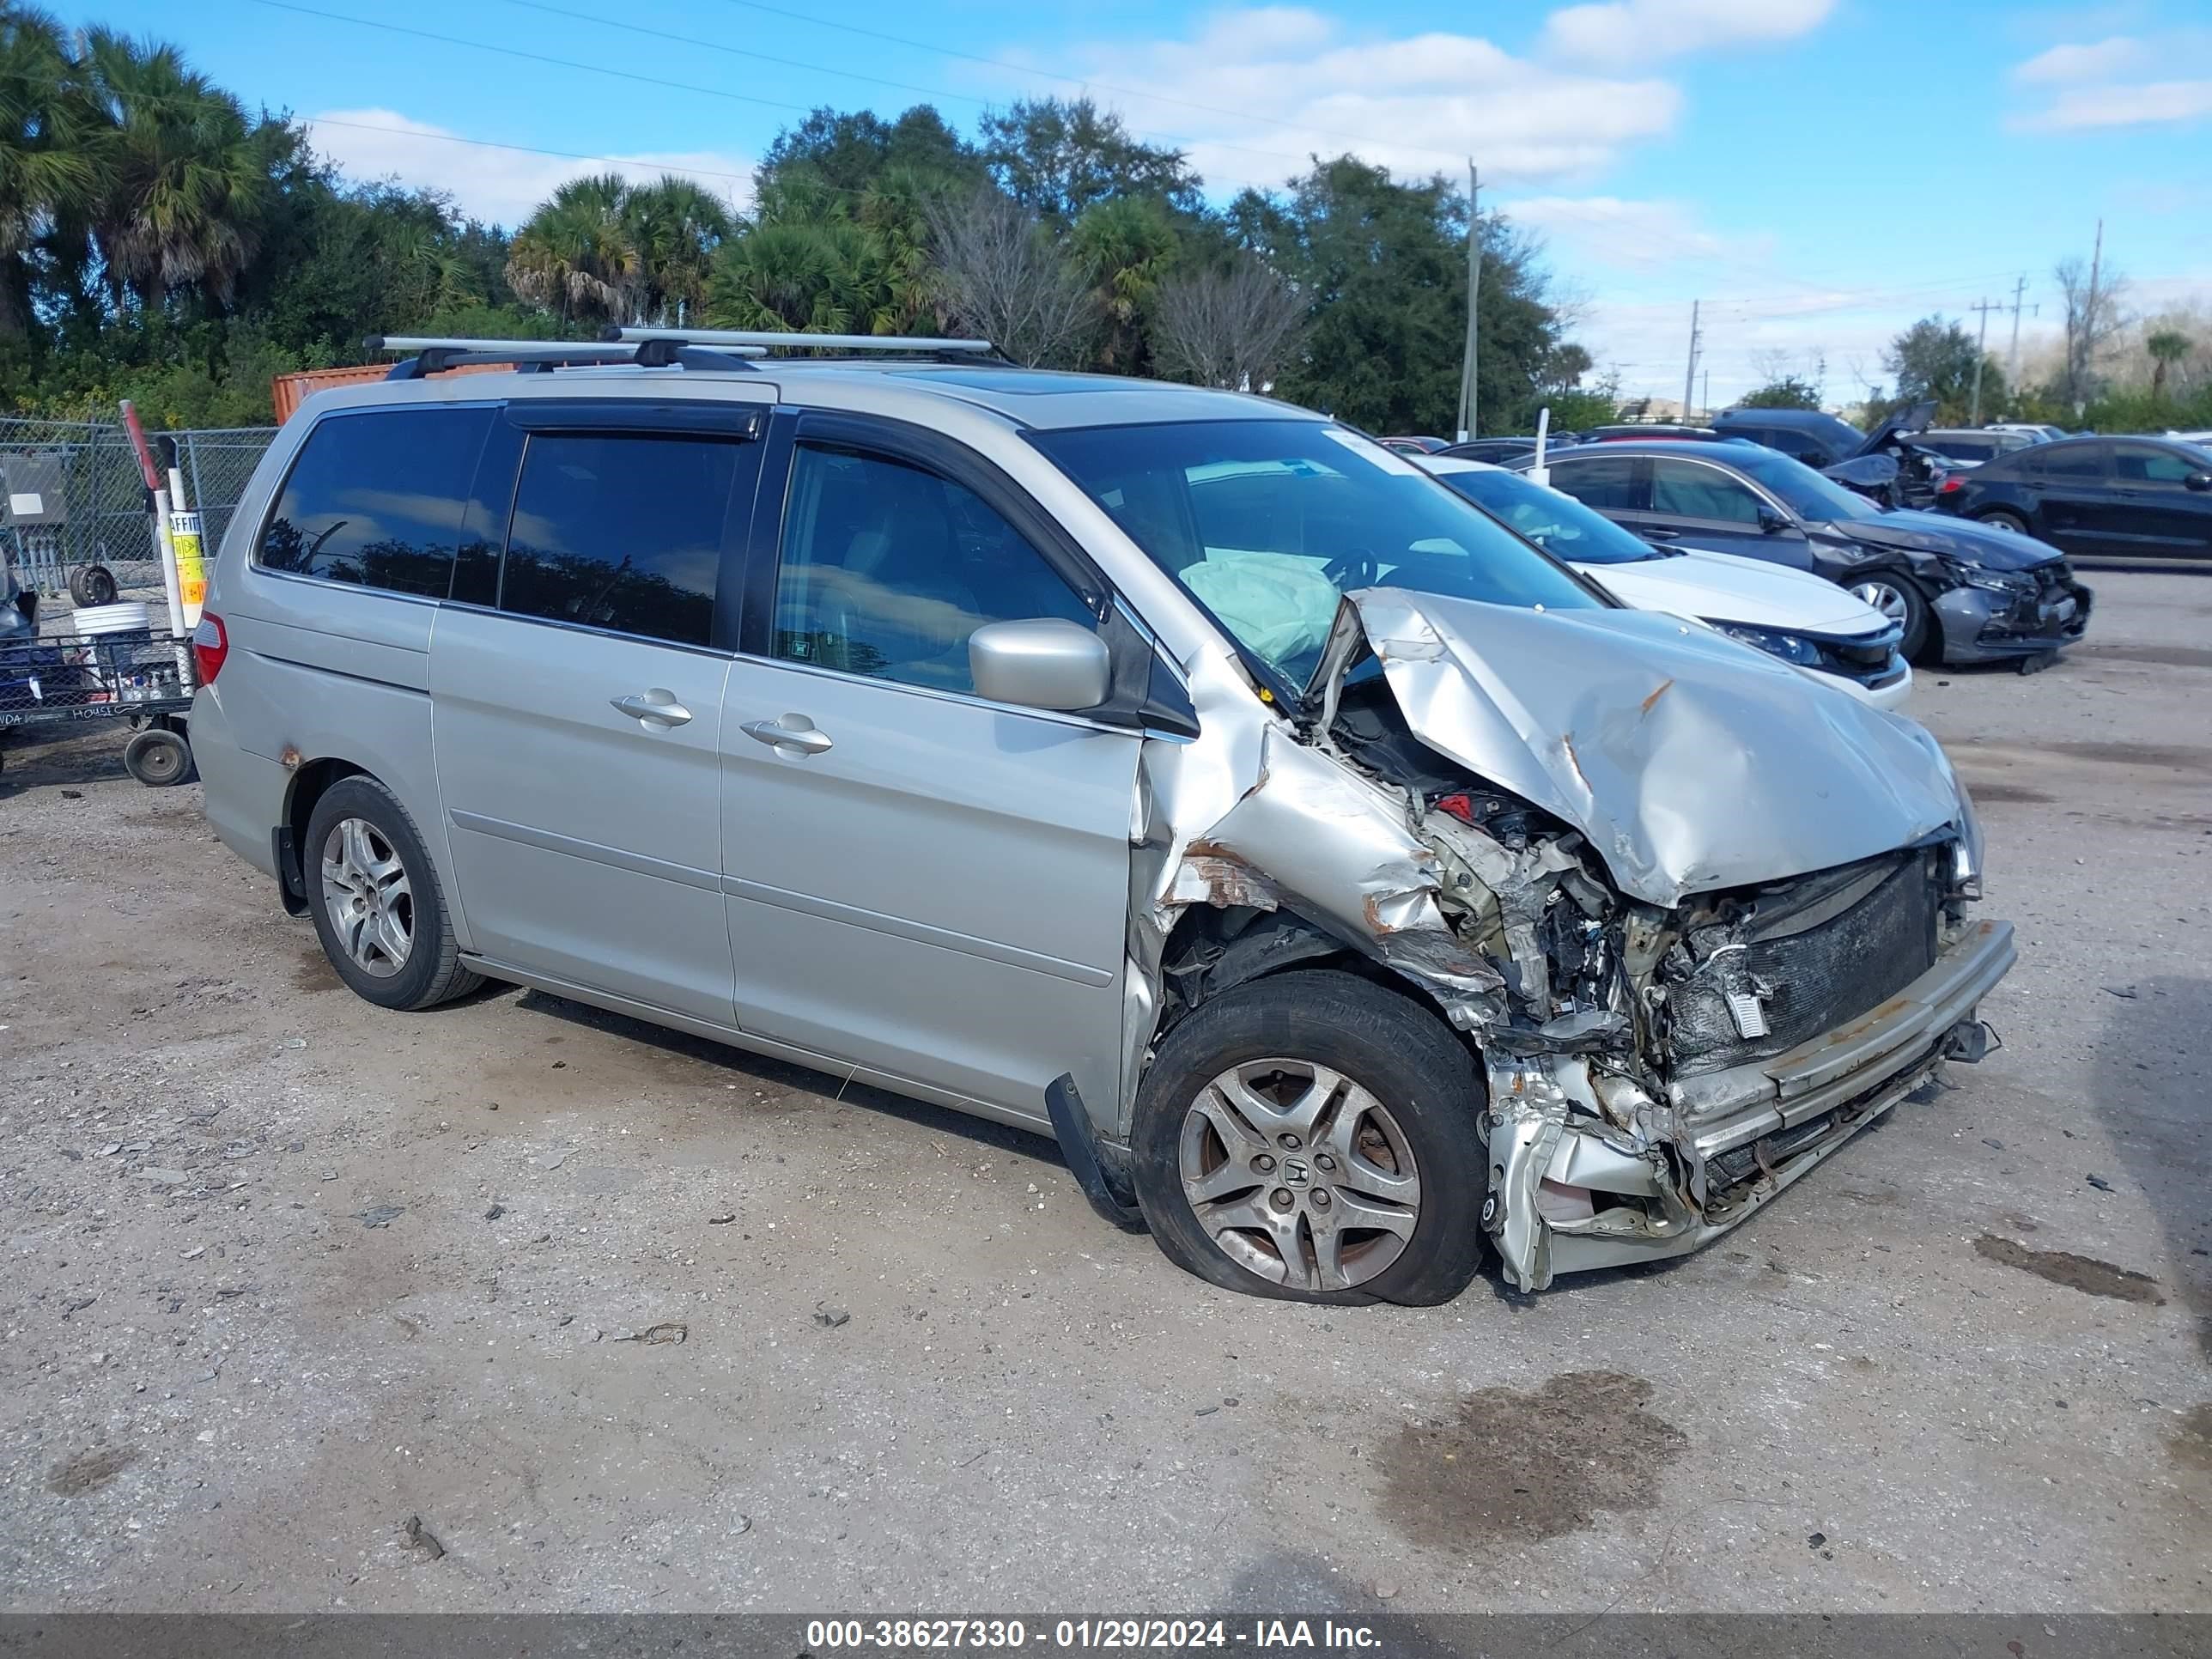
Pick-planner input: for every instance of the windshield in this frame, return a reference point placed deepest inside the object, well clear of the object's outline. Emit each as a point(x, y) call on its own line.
point(1558, 523)
point(1803, 491)
point(1268, 523)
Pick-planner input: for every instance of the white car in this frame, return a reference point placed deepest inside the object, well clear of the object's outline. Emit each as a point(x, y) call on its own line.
point(1804, 619)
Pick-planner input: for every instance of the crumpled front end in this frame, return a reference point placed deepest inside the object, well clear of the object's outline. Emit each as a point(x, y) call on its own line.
point(1702, 922)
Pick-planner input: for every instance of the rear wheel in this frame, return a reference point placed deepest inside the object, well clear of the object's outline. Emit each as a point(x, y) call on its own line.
point(1897, 599)
point(375, 898)
point(158, 757)
point(1313, 1136)
point(1998, 519)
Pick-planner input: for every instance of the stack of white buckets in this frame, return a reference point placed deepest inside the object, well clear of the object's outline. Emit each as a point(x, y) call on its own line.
point(141, 667)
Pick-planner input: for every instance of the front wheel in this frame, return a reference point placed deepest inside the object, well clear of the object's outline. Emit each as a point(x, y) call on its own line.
point(1899, 599)
point(377, 904)
point(1314, 1136)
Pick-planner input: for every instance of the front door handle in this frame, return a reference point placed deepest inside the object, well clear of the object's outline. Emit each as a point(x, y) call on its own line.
point(657, 708)
point(792, 734)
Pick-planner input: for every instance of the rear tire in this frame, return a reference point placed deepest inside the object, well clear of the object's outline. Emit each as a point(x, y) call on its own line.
point(1998, 519)
point(376, 901)
point(1393, 1139)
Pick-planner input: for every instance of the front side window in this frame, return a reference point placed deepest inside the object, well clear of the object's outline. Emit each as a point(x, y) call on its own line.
point(1268, 523)
point(621, 532)
point(1690, 489)
point(886, 569)
point(1552, 519)
point(377, 499)
point(2141, 464)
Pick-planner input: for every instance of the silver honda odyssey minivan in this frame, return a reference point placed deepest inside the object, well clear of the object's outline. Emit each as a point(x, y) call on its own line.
point(1347, 886)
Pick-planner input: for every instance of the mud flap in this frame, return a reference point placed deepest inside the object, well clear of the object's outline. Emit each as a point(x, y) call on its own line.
point(1071, 1125)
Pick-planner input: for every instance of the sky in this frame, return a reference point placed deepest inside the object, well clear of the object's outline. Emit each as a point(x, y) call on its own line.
point(1818, 173)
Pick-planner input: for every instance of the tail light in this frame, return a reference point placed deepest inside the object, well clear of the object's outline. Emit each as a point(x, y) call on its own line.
point(1952, 484)
point(210, 645)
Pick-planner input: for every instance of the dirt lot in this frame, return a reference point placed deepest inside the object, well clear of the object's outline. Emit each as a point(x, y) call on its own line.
point(283, 1271)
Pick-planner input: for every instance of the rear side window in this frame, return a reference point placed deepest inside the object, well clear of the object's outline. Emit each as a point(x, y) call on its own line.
point(1606, 483)
point(621, 532)
point(2068, 461)
point(377, 499)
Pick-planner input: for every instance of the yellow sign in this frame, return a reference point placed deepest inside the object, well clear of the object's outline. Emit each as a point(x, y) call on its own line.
point(191, 570)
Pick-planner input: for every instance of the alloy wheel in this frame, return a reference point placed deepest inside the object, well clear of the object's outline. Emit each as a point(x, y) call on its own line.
point(368, 897)
point(1299, 1174)
point(1885, 598)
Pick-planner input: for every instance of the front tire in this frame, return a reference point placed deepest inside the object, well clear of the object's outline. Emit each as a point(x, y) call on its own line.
point(376, 901)
point(1900, 599)
point(1314, 1136)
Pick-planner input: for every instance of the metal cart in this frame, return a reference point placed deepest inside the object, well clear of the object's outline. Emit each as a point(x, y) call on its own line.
point(144, 675)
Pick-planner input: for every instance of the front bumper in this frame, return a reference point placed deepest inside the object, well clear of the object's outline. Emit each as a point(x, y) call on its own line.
point(1982, 626)
point(1574, 1189)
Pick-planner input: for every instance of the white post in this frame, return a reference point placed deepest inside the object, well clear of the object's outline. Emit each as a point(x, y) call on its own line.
point(191, 556)
point(160, 491)
point(1540, 473)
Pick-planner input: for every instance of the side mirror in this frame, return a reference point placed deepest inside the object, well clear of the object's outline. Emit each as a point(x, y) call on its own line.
point(1042, 663)
point(1771, 522)
point(2198, 481)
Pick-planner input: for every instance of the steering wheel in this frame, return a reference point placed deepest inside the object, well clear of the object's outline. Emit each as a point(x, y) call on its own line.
point(1357, 569)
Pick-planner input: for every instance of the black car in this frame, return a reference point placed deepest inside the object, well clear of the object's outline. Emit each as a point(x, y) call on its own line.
point(1887, 465)
point(1962, 592)
point(2126, 498)
point(1500, 452)
point(1637, 432)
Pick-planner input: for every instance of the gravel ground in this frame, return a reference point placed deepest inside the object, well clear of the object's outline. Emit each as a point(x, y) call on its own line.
point(283, 1271)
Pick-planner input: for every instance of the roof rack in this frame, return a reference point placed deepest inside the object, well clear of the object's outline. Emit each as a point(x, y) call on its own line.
point(433, 354)
point(763, 341)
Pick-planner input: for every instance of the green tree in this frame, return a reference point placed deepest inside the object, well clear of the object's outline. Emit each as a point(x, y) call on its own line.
point(847, 151)
point(1789, 392)
point(1935, 359)
point(2167, 346)
point(1126, 244)
point(45, 167)
point(674, 225)
point(180, 176)
point(1056, 157)
point(575, 255)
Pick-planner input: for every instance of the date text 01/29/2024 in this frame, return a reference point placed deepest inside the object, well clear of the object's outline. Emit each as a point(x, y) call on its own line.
point(1085, 1635)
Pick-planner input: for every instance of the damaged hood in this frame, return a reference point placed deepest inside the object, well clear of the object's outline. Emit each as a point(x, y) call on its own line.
point(1689, 762)
point(1939, 533)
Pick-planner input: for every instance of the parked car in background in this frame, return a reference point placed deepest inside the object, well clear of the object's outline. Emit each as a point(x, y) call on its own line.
point(2202, 439)
point(1969, 447)
point(2033, 430)
point(1961, 592)
point(1241, 842)
point(2125, 498)
point(1496, 449)
point(1411, 446)
point(1885, 464)
point(1837, 638)
point(1631, 430)
point(1811, 436)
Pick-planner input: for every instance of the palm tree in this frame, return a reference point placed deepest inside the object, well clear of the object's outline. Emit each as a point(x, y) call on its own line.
point(181, 176)
point(1125, 243)
point(675, 226)
point(818, 277)
point(576, 256)
point(2167, 347)
point(44, 168)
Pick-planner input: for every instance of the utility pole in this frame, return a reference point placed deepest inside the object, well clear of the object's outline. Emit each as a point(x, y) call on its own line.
point(1705, 397)
point(1690, 374)
point(1981, 350)
point(2012, 363)
point(1466, 396)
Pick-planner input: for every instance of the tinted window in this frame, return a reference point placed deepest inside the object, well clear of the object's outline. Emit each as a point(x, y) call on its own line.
point(1798, 446)
point(377, 498)
point(620, 532)
point(1689, 489)
point(1552, 519)
point(2141, 464)
point(1605, 482)
point(1267, 523)
point(2065, 461)
point(887, 569)
point(1961, 449)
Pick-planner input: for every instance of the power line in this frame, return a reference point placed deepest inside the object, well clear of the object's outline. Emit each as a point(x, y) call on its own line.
point(526, 149)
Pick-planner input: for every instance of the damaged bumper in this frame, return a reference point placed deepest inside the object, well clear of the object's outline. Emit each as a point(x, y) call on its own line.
point(1580, 1183)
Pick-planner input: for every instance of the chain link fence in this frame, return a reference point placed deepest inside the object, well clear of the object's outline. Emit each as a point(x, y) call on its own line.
point(72, 499)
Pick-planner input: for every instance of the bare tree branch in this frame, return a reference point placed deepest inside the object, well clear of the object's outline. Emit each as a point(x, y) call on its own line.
point(1006, 281)
point(2092, 320)
point(1237, 328)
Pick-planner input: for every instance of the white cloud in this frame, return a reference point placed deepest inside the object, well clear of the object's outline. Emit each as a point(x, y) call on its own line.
point(1631, 235)
point(1418, 104)
point(2066, 64)
point(2147, 104)
point(1627, 32)
point(496, 183)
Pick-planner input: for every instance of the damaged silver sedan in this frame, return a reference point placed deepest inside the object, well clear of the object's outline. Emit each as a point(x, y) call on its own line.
point(1350, 889)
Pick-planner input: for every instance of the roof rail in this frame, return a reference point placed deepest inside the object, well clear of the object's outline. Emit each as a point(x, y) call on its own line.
point(433, 354)
point(764, 341)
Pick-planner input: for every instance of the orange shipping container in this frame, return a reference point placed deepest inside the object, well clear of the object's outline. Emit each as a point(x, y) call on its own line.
point(289, 392)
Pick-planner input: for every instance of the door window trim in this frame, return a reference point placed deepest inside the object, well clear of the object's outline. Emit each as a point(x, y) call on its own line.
point(1139, 697)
